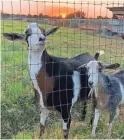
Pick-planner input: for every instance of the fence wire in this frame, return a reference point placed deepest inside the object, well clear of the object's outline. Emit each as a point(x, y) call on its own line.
point(84, 27)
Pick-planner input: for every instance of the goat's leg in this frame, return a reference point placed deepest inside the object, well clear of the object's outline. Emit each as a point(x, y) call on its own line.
point(114, 113)
point(96, 118)
point(92, 115)
point(83, 111)
point(43, 116)
point(66, 126)
point(66, 120)
point(109, 129)
point(117, 113)
point(94, 103)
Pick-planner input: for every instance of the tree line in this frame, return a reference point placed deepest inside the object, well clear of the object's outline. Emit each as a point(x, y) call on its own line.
point(76, 14)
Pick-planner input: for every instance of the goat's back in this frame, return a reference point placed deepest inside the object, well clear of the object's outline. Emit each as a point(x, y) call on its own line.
point(80, 60)
point(120, 75)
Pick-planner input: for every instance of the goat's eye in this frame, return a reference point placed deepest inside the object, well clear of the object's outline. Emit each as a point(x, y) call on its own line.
point(41, 39)
point(100, 69)
point(28, 32)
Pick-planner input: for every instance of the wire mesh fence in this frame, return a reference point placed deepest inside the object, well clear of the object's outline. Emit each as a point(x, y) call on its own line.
point(50, 71)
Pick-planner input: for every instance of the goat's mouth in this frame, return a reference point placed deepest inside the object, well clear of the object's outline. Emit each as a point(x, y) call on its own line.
point(90, 85)
point(41, 43)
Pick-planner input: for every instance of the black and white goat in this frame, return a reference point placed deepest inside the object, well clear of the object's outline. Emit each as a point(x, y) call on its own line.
point(55, 82)
point(109, 91)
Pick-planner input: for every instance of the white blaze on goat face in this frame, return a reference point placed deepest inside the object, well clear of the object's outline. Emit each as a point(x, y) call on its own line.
point(36, 40)
point(93, 70)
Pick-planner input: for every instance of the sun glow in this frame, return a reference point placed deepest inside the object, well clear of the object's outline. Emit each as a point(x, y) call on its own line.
point(63, 15)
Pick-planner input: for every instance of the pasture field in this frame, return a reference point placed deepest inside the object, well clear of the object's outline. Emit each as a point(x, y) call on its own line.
point(20, 116)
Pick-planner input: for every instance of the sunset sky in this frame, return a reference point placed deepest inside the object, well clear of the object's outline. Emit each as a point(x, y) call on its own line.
point(56, 8)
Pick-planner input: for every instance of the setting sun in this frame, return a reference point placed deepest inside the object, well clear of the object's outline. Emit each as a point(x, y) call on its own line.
point(63, 15)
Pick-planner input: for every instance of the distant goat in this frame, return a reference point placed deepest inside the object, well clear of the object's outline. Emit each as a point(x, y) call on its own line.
point(109, 91)
point(56, 84)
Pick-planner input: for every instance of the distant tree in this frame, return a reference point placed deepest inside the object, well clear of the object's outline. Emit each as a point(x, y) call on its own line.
point(2, 14)
point(100, 17)
point(59, 17)
point(29, 15)
point(5, 15)
point(46, 16)
point(18, 15)
point(106, 17)
point(23, 15)
point(34, 16)
point(80, 14)
point(71, 15)
point(77, 14)
point(40, 15)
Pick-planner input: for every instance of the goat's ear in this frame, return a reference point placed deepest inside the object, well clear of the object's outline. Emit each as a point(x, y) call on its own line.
point(111, 66)
point(96, 56)
point(14, 36)
point(51, 31)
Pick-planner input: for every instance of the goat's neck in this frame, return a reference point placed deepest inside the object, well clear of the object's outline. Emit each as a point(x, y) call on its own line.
point(103, 81)
point(35, 61)
point(101, 78)
point(101, 93)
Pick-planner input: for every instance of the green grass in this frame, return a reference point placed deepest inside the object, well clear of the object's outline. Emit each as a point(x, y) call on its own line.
point(20, 117)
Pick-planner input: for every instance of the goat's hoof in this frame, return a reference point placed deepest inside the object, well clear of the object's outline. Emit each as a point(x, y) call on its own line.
point(40, 138)
point(93, 135)
point(65, 134)
point(109, 136)
point(65, 137)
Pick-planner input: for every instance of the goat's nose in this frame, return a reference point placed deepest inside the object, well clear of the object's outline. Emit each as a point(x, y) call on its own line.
point(41, 39)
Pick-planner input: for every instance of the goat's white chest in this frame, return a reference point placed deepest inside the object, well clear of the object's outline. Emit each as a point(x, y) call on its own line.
point(35, 64)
